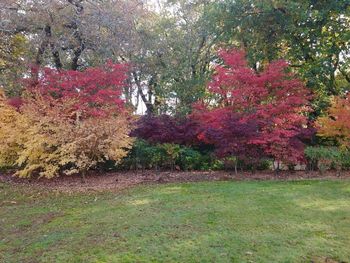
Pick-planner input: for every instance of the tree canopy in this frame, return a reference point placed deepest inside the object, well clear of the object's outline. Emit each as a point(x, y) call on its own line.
point(173, 46)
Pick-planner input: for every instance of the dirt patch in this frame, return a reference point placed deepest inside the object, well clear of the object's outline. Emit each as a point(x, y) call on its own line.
point(122, 180)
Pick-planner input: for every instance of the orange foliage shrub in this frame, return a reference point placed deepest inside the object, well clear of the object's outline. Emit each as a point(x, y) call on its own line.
point(337, 121)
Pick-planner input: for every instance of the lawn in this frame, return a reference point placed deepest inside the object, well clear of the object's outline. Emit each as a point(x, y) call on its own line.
point(298, 221)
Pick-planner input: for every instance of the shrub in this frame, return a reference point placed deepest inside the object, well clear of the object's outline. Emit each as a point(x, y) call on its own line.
point(144, 155)
point(172, 154)
point(346, 160)
point(326, 158)
point(190, 159)
point(336, 123)
point(12, 131)
point(66, 123)
point(47, 138)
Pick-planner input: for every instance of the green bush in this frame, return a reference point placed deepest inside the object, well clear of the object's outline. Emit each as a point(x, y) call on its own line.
point(172, 153)
point(193, 159)
point(145, 155)
point(346, 160)
point(325, 158)
point(189, 159)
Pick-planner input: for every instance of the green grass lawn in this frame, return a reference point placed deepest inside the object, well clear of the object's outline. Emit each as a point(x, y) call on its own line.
point(300, 221)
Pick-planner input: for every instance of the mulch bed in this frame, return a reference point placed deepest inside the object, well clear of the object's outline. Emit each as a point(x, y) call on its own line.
point(122, 180)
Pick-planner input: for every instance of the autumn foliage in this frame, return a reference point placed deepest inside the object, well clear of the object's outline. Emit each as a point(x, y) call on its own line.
point(251, 115)
point(254, 115)
point(336, 123)
point(67, 123)
point(167, 129)
point(96, 91)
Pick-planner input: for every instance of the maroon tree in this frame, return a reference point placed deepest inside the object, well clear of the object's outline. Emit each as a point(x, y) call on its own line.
point(167, 129)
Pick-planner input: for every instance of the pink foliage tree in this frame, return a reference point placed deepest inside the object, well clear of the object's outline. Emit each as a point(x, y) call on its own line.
point(255, 112)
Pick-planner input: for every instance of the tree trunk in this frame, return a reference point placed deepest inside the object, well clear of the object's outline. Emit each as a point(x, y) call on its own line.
point(83, 177)
point(276, 167)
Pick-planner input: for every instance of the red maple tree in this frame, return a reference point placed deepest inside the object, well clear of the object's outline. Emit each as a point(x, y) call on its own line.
point(96, 91)
point(255, 113)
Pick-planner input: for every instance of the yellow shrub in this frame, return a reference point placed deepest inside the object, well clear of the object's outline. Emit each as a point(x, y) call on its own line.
point(12, 132)
point(49, 138)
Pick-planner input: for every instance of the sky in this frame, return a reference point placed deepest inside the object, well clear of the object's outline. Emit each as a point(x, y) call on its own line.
point(154, 4)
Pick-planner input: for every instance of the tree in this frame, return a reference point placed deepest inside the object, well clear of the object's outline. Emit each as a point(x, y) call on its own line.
point(255, 113)
point(170, 49)
point(12, 50)
point(72, 34)
point(312, 35)
point(336, 122)
point(67, 123)
point(172, 63)
point(230, 136)
point(96, 91)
